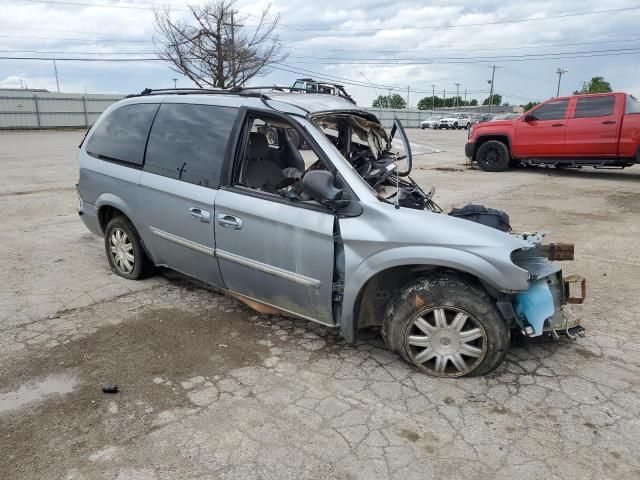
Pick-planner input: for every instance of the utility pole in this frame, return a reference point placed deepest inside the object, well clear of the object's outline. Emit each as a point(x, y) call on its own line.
point(408, 88)
point(560, 72)
point(55, 69)
point(457, 94)
point(433, 97)
point(465, 96)
point(444, 98)
point(493, 76)
point(175, 82)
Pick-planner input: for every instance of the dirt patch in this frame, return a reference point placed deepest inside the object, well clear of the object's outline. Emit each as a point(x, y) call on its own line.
point(447, 169)
point(409, 435)
point(170, 344)
point(627, 201)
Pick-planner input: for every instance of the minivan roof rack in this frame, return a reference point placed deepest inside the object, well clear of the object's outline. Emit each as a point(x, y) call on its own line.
point(246, 91)
point(186, 91)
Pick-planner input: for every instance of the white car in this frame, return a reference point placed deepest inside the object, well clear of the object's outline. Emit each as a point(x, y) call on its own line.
point(429, 122)
point(455, 121)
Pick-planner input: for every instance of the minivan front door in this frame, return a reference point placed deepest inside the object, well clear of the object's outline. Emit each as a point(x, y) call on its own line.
point(276, 252)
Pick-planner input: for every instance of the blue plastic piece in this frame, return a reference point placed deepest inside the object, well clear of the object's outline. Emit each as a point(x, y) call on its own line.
point(536, 305)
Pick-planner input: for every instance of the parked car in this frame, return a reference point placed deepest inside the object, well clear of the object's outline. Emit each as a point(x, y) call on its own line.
point(484, 117)
point(599, 130)
point(506, 116)
point(455, 121)
point(341, 236)
point(430, 122)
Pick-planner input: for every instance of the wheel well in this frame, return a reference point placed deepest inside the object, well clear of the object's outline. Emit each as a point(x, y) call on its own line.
point(484, 139)
point(106, 213)
point(383, 286)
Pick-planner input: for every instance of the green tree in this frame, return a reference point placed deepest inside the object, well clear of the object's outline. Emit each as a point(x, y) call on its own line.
point(595, 85)
point(389, 101)
point(497, 100)
point(529, 106)
point(429, 103)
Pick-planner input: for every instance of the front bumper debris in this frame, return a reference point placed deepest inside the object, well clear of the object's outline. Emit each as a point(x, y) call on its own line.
point(574, 280)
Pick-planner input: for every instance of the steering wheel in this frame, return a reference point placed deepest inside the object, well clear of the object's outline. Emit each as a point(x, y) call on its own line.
point(361, 164)
point(384, 176)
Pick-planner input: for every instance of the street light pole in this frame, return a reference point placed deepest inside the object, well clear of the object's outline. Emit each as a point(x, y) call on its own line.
point(175, 82)
point(560, 72)
point(457, 94)
point(433, 97)
point(55, 69)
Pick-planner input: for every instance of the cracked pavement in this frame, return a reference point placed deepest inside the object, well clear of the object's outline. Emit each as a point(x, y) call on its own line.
point(211, 389)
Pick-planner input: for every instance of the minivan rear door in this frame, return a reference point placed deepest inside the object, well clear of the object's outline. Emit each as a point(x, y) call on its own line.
point(179, 185)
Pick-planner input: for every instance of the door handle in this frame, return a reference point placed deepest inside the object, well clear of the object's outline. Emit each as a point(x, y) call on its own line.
point(608, 122)
point(229, 221)
point(558, 125)
point(199, 214)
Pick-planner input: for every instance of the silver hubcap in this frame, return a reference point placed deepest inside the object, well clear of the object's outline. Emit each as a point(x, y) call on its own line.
point(446, 342)
point(121, 251)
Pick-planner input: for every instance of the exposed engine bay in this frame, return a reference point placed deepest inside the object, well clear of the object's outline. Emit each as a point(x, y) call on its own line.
point(383, 163)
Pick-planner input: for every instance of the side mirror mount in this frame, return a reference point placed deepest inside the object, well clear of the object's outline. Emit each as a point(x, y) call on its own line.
point(529, 117)
point(319, 185)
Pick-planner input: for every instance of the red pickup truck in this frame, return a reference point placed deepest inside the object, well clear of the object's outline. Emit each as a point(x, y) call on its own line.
point(599, 130)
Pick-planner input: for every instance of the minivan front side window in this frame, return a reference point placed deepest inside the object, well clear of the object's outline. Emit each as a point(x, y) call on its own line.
point(188, 142)
point(122, 135)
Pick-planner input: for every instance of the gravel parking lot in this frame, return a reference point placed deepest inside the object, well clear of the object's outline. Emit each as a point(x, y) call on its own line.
point(210, 389)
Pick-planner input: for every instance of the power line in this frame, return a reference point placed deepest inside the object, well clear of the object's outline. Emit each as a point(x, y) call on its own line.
point(352, 29)
point(142, 6)
point(472, 60)
point(101, 40)
point(482, 24)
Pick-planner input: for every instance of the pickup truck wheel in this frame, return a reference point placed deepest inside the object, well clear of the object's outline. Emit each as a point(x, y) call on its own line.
point(124, 250)
point(446, 327)
point(493, 156)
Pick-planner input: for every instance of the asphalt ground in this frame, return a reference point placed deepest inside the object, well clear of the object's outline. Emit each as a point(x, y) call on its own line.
point(211, 389)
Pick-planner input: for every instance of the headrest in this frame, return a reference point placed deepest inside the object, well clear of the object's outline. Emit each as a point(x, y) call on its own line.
point(258, 146)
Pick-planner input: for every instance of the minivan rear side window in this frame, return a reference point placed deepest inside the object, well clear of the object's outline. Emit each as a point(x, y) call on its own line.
point(595, 106)
point(554, 110)
point(122, 135)
point(188, 142)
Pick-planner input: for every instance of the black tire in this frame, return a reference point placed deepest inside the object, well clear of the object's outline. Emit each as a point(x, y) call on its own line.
point(455, 126)
point(468, 126)
point(141, 265)
point(456, 296)
point(493, 156)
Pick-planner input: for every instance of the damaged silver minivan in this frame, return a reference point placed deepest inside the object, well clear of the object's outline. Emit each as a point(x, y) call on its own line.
point(335, 232)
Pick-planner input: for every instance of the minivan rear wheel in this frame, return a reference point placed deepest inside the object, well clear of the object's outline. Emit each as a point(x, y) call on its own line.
point(446, 326)
point(124, 250)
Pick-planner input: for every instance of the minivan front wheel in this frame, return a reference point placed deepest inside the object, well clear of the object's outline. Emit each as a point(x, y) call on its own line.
point(446, 327)
point(124, 250)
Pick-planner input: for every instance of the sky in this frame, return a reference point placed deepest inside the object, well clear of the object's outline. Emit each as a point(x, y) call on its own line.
point(372, 47)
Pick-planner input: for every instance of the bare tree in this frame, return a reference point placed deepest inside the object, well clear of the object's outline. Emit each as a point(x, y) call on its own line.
point(215, 47)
